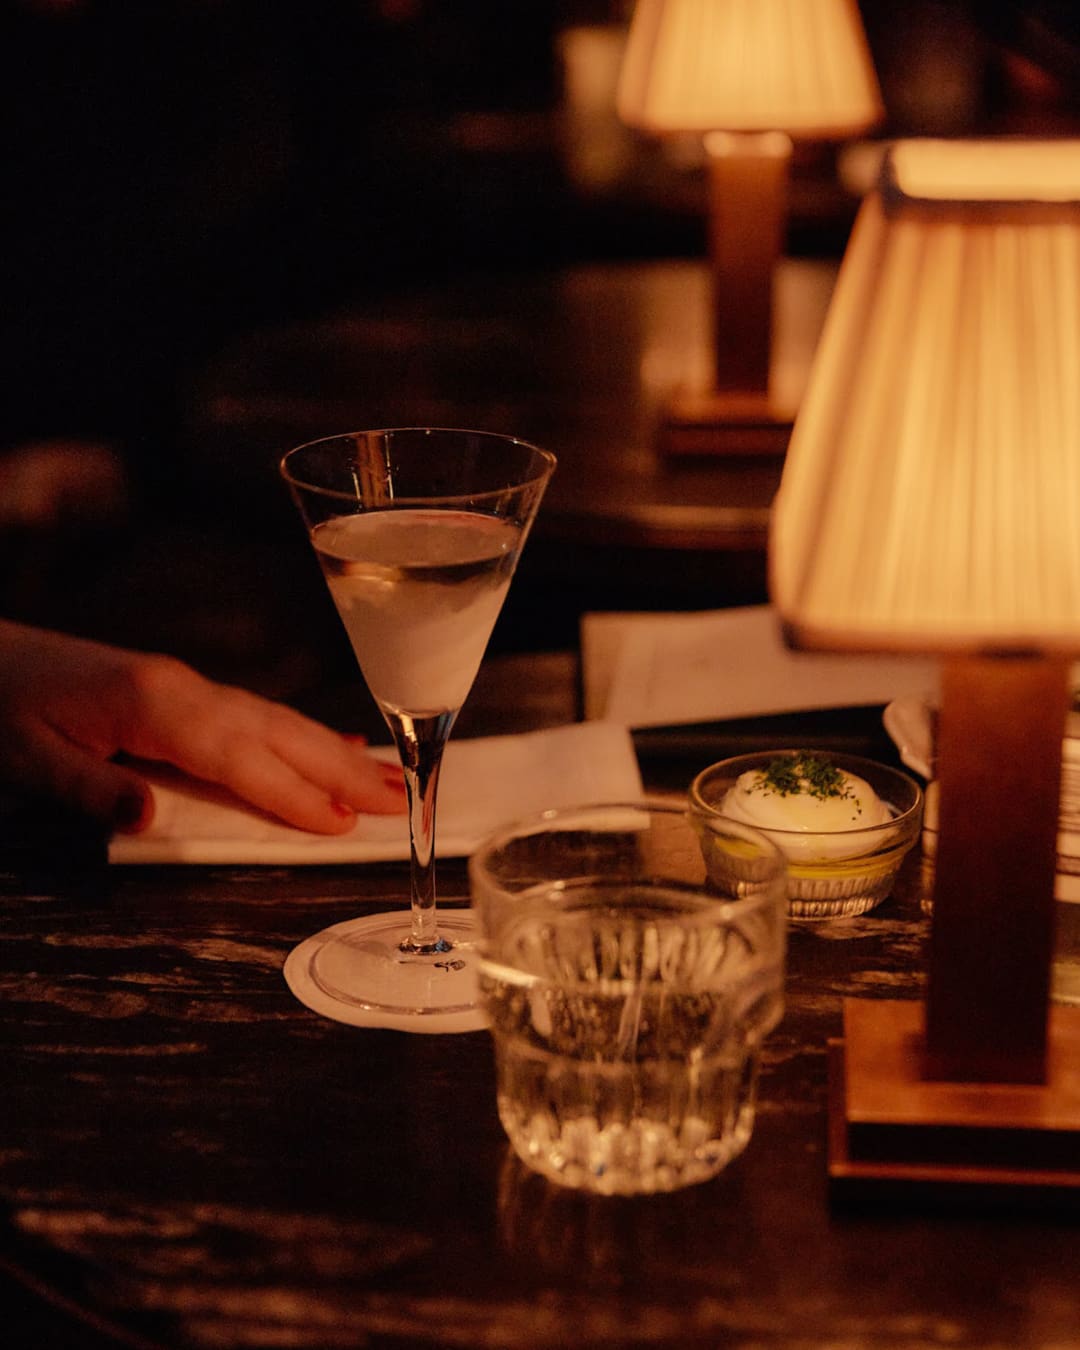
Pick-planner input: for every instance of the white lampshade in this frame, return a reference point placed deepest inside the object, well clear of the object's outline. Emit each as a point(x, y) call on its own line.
point(931, 493)
point(930, 502)
point(800, 66)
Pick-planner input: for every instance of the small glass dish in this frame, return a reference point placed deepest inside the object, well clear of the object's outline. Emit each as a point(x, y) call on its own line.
point(835, 873)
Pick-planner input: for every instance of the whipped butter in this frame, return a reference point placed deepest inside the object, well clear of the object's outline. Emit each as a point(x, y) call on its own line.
point(812, 801)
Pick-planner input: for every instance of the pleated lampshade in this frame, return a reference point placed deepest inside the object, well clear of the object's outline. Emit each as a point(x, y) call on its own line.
point(931, 494)
point(800, 66)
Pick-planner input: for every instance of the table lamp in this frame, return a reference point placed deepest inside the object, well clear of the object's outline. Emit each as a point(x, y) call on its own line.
point(749, 75)
point(930, 502)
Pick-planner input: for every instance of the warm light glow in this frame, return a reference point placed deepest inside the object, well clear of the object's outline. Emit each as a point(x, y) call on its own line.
point(931, 493)
point(761, 144)
point(992, 170)
point(800, 66)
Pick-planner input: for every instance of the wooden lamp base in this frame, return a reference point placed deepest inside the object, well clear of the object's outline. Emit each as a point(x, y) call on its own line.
point(724, 423)
point(739, 415)
point(892, 1128)
point(978, 1088)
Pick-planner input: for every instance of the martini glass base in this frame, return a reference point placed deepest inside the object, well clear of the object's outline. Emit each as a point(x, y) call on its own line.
point(358, 972)
point(435, 948)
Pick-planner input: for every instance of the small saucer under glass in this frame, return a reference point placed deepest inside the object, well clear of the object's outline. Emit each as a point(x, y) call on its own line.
point(406, 991)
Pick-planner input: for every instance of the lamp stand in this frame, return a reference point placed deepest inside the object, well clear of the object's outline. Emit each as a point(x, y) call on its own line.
point(748, 183)
point(979, 1087)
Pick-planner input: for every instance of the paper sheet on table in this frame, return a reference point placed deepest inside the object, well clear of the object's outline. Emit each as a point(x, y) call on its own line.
point(484, 783)
point(649, 670)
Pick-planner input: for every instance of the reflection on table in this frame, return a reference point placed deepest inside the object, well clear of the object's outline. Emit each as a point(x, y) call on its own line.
point(191, 1158)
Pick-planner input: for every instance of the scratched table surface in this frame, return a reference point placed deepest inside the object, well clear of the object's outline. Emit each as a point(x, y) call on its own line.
point(190, 1158)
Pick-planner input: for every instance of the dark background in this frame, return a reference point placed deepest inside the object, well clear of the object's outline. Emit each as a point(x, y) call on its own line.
point(184, 172)
point(178, 174)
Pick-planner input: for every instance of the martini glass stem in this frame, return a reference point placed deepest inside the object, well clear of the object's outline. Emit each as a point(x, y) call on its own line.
point(420, 743)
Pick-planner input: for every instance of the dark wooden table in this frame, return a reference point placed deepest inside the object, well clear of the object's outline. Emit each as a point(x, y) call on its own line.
point(190, 1158)
point(581, 359)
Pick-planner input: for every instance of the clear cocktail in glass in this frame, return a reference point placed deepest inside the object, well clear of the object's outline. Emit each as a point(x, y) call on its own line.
point(418, 532)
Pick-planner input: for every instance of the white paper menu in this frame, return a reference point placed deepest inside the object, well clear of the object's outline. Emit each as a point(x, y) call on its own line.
point(650, 670)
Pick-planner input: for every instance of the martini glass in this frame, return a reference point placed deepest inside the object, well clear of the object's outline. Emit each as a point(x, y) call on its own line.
point(418, 532)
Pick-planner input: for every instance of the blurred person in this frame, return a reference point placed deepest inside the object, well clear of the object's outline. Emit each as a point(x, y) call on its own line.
point(73, 711)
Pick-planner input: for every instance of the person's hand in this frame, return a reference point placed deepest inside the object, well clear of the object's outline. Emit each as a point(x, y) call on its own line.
point(68, 706)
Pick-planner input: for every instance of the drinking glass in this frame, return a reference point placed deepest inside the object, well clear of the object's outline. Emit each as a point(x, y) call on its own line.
point(627, 998)
point(418, 532)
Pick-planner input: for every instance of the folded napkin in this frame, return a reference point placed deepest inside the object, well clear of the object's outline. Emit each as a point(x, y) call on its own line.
point(484, 783)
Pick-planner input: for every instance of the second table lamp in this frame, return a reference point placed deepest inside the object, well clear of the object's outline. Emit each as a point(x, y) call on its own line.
point(748, 75)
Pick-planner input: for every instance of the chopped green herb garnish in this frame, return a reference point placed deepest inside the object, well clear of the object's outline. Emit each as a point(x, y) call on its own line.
point(813, 775)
